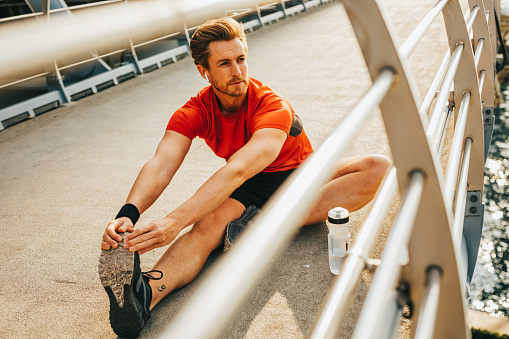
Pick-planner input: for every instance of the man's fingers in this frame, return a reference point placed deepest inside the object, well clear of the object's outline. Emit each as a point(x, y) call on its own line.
point(124, 225)
point(143, 246)
point(136, 232)
point(111, 230)
point(109, 241)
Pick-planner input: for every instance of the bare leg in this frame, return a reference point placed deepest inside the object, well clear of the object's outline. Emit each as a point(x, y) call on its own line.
point(354, 185)
point(184, 259)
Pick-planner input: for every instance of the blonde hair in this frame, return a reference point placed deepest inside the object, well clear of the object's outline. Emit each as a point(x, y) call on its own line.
point(222, 29)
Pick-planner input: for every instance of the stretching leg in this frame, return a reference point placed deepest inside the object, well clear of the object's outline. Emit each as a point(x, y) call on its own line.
point(184, 259)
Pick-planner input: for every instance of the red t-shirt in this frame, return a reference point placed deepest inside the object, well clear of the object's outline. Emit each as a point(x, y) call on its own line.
point(225, 135)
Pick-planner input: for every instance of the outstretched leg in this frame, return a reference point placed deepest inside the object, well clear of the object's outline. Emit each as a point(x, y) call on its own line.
point(184, 259)
point(354, 185)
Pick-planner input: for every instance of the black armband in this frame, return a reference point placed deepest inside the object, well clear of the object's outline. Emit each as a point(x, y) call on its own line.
point(130, 211)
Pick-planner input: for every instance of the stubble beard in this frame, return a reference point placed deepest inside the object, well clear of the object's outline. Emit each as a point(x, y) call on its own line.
point(233, 92)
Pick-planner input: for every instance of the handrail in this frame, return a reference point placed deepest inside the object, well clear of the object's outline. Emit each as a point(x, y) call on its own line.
point(93, 4)
point(443, 96)
point(22, 80)
point(472, 16)
point(478, 51)
point(428, 313)
point(437, 80)
point(91, 59)
point(461, 196)
point(407, 47)
point(456, 148)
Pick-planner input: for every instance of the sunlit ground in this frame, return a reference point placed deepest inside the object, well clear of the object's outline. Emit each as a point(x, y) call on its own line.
point(490, 284)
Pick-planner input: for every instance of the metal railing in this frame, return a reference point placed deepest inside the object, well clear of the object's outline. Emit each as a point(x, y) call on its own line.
point(104, 24)
point(423, 254)
point(425, 251)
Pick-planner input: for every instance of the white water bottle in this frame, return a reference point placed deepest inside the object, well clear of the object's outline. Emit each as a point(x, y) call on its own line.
point(339, 237)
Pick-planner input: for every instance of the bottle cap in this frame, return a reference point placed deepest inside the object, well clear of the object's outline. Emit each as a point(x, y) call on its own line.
point(338, 215)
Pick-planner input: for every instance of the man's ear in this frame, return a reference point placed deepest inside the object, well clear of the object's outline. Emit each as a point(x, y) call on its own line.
point(203, 72)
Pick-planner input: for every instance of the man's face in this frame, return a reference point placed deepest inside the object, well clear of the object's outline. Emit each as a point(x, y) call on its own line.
point(228, 67)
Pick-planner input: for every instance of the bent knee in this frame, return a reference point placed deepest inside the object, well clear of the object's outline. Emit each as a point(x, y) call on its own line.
point(379, 164)
point(210, 230)
point(376, 166)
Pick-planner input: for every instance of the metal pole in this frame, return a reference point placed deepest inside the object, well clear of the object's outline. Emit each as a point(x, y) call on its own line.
point(212, 306)
point(461, 196)
point(471, 18)
point(379, 296)
point(408, 46)
point(443, 96)
point(336, 307)
point(478, 52)
point(455, 155)
point(429, 307)
point(481, 79)
point(431, 94)
point(19, 17)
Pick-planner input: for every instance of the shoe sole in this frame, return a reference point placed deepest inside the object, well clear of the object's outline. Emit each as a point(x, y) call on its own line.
point(116, 268)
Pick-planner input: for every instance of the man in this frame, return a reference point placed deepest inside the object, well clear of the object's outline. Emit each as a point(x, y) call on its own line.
point(262, 140)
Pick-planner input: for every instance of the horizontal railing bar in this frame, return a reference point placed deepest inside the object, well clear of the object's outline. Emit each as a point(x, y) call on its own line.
point(212, 305)
point(471, 18)
point(93, 4)
point(392, 319)
point(478, 51)
point(432, 90)
point(100, 26)
point(272, 4)
point(333, 312)
point(481, 80)
point(157, 39)
point(429, 306)
point(408, 46)
point(445, 118)
point(387, 273)
point(461, 196)
point(238, 12)
point(443, 96)
point(91, 59)
point(451, 176)
point(23, 80)
point(22, 16)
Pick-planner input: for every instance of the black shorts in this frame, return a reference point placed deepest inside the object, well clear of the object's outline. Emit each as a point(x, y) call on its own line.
point(258, 189)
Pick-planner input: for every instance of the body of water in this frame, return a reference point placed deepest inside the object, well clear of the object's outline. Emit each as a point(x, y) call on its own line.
point(490, 283)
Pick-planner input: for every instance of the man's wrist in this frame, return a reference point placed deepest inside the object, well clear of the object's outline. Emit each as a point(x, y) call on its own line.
point(130, 211)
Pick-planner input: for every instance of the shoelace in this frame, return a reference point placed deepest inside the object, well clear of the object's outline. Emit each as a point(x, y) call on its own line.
point(149, 275)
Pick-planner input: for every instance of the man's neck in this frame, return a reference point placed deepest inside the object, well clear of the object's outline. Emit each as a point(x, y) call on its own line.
point(228, 105)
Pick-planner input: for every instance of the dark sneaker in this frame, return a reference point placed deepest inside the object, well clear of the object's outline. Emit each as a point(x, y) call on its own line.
point(235, 227)
point(128, 290)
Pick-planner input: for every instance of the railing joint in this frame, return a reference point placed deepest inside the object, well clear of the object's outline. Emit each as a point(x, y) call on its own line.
point(372, 264)
point(403, 299)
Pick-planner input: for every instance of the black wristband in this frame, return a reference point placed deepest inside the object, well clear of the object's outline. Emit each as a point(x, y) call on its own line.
point(130, 211)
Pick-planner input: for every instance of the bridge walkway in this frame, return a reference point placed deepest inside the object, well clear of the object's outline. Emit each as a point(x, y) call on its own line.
point(66, 173)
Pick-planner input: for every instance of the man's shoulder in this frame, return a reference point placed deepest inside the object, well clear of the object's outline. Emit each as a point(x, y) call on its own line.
point(263, 94)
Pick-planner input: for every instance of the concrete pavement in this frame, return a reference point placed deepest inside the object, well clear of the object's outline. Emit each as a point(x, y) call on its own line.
point(66, 173)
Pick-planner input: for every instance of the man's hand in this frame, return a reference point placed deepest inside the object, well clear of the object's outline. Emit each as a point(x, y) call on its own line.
point(155, 234)
point(111, 236)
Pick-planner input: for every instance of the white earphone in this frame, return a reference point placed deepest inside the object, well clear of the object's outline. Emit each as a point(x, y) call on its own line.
point(206, 77)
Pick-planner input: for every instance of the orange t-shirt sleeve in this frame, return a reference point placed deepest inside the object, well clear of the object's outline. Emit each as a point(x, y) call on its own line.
point(186, 121)
point(276, 113)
